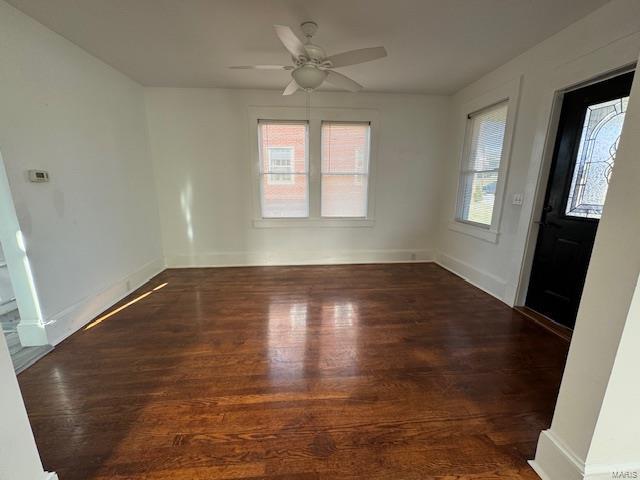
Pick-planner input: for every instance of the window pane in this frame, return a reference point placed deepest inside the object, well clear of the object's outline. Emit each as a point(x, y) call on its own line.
point(478, 196)
point(595, 159)
point(284, 199)
point(487, 135)
point(283, 145)
point(345, 147)
point(283, 167)
point(345, 165)
point(344, 195)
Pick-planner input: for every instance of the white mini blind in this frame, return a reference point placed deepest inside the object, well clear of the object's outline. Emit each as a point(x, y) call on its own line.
point(345, 169)
point(284, 169)
point(481, 164)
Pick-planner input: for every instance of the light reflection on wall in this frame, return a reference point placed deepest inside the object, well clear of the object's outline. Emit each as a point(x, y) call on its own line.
point(339, 349)
point(186, 198)
point(27, 268)
point(287, 336)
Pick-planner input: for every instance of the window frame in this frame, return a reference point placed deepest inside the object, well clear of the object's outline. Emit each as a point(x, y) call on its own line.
point(314, 117)
point(509, 94)
point(354, 174)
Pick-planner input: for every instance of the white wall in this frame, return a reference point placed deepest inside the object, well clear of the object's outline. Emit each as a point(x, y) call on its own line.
point(200, 148)
point(95, 225)
point(603, 41)
point(19, 458)
point(616, 439)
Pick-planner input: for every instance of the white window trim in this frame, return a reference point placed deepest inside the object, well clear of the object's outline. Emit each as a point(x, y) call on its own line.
point(510, 93)
point(314, 117)
point(291, 171)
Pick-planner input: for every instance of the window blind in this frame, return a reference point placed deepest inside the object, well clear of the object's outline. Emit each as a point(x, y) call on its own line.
point(284, 169)
point(481, 164)
point(345, 169)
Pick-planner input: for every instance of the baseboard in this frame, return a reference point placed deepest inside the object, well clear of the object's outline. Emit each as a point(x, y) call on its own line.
point(74, 317)
point(549, 325)
point(25, 358)
point(259, 259)
point(485, 281)
point(536, 468)
point(555, 461)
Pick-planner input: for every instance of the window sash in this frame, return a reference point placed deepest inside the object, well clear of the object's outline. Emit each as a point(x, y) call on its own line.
point(275, 178)
point(464, 201)
point(360, 175)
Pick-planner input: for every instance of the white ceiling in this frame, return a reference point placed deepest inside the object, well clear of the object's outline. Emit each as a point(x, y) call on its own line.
point(435, 46)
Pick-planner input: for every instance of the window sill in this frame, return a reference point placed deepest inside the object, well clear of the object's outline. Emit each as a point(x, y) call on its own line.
point(313, 223)
point(487, 235)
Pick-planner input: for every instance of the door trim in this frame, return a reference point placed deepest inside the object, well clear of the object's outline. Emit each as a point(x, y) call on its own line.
point(537, 181)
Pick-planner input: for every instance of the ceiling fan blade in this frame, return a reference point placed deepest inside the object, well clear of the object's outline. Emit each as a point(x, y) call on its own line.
point(261, 67)
point(343, 81)
point(291, 88)
point(353, 57)
point(290, 41)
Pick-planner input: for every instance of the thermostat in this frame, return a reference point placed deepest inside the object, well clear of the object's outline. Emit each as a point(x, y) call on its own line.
point(38, 176)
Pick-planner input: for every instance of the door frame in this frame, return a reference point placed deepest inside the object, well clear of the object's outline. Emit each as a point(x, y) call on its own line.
point(538, 178)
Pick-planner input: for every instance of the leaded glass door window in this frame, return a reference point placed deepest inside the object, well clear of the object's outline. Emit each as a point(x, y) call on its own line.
point(596, 156)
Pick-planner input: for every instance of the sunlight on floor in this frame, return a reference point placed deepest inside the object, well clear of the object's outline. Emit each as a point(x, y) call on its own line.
point(98, 321)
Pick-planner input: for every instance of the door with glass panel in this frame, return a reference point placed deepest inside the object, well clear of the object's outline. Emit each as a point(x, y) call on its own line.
point(588, 136)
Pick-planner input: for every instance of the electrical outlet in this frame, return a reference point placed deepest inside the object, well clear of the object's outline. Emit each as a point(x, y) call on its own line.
point(517, 199)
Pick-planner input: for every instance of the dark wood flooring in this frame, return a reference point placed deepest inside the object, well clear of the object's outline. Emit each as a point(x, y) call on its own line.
point(323, 372)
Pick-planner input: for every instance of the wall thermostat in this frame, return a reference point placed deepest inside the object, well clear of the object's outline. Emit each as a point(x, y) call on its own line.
point(38, 176)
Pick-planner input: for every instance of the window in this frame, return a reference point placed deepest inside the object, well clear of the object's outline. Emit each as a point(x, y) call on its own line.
point(280, 165)
point(284, 169)
point(344, 169)
point(481, 164)
point(596, 156)
point(313, 168)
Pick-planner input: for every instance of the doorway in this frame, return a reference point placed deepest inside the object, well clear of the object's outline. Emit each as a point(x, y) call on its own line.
point(589, 131)
point(20, 316)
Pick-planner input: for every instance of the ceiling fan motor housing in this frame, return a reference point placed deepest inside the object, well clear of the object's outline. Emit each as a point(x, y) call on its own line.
point(315, 53)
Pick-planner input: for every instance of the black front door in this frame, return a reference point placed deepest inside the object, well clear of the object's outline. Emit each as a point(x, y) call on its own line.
point(588, 135)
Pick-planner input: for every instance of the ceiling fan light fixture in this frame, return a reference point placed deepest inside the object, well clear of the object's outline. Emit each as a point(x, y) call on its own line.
point(309, 77)
point(311, 64)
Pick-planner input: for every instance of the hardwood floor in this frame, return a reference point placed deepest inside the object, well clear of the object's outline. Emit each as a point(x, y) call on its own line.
point(324, 372)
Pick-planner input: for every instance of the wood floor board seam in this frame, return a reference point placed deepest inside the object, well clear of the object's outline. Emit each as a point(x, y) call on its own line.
point(399, 371)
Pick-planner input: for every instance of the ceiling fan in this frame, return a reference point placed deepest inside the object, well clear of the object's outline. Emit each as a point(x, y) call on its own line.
point(312, 66)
